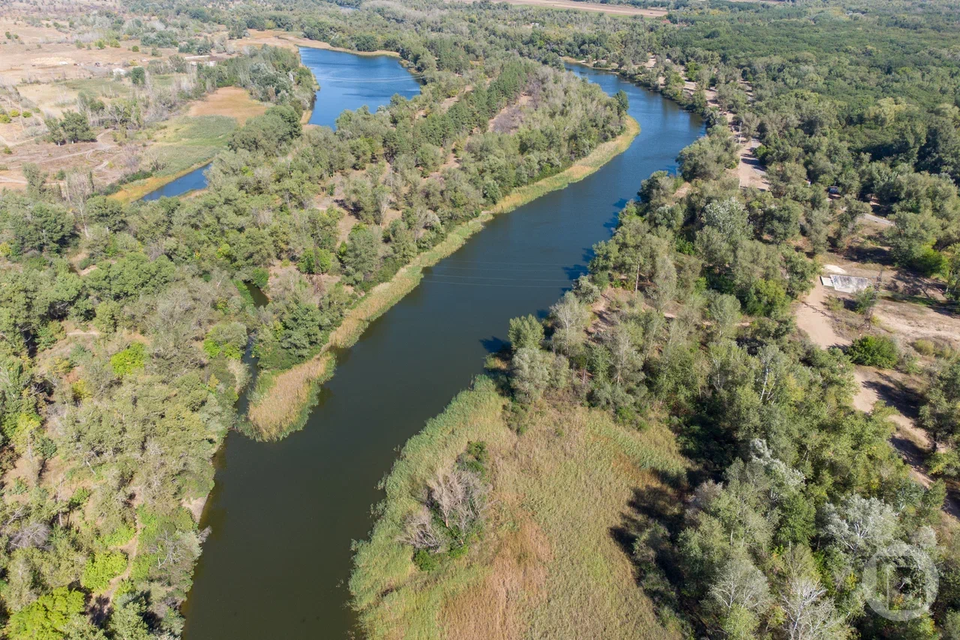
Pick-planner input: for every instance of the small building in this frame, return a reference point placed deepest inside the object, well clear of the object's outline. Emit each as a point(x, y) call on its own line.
point(845, 284)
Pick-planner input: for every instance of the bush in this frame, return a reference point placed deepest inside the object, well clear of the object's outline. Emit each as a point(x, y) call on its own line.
point(874, 351)
point(425, 560)
point(129, 360)
point(101, 569)
point(925, 347)
point(929, 262)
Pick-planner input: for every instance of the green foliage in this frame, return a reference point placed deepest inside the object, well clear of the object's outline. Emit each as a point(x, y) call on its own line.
point(101, 569)
point(525, 332)
point(874, 351)
point(315, 261)
point(48, 617)
point(128, 361)
point(425, 560)
point(270, 132)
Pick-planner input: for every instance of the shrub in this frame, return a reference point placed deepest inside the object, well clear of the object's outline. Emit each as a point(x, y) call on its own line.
point(925, 347)
point(874, 351)
point(129, 360)
point(425, 560)
point(929, 262)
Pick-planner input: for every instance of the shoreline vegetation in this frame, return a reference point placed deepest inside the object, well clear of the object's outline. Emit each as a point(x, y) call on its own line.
point(130, 193)
point(281, 402)
point(534, 542)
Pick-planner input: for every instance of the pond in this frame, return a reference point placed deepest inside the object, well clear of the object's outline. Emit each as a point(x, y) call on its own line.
point(283, 514)
point(196, 179)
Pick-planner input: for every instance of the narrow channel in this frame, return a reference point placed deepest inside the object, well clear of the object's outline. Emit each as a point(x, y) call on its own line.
point(283, 514)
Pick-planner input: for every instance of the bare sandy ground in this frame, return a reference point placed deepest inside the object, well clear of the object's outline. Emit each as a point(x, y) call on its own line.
point(749, 170)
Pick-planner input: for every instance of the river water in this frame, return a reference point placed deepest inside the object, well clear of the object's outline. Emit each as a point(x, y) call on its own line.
point(283, 514)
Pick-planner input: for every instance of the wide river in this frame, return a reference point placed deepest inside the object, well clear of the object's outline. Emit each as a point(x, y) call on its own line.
point(283, 514)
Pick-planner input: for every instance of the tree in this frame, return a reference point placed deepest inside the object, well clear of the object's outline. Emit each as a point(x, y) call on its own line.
point(48, 617)
point(361, 255)
point(860, 525)
point(569, 318)
point(742, 594)
point(940, 411)
point(809, 614)
point(724, 311)
point(127, 622)
point(865, 300)
point(534, 371)
point(623, 102)
point(138, 76)
point(525, 332)
point(76, 128)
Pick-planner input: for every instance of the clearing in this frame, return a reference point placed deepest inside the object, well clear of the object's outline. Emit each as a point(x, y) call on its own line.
point(906, 323)
point(233, 102)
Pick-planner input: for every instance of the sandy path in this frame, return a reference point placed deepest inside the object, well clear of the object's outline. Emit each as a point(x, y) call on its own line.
point(911, 442)
point(749, 169)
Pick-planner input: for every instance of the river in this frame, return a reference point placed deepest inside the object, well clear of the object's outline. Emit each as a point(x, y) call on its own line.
point(283, 514)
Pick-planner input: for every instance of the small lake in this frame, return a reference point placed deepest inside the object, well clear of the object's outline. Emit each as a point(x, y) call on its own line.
point(347, 82)
point(283, 514)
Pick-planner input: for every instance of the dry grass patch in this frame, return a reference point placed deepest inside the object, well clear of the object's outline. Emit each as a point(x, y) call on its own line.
point(547, 564)
point(233, 102)
point(281, 402)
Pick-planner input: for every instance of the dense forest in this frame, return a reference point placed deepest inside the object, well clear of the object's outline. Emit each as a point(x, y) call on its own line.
point(123, 327)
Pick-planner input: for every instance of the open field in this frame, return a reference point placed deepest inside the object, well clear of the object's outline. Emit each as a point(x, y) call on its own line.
point(385, 295)
point(232, 102)
point(550, 562)
point(21, 63)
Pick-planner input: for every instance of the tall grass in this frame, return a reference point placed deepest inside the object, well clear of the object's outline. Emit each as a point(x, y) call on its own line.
point(282, 401)
point(547, 564)
point(387, 294)
point(187, 143)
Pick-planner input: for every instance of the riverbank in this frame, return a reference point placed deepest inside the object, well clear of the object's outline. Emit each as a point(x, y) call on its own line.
point(283, 406)
point(276, 38)
point(545, 563)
